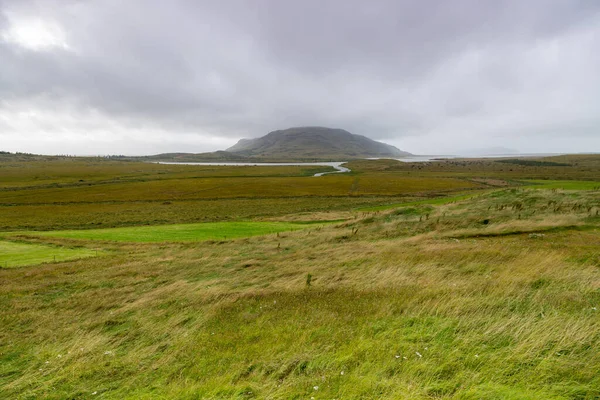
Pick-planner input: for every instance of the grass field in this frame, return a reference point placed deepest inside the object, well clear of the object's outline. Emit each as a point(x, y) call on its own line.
point(225, 188)
point(69, 172)
point(434, 201)
point(564, 185)
point(535, 184)
point(95, 215)
point(75, 194)
point(14, 254)
point(177, 233)
point(491, 291)
point(581, 167)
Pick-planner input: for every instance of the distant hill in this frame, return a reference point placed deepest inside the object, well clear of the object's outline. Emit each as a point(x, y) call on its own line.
point(216, 156)
point(314, 143)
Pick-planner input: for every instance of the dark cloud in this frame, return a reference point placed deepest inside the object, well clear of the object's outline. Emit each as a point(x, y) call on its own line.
point(428, 76)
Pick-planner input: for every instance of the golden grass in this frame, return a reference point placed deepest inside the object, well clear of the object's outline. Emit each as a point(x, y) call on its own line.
point(90, 194)
point(95, 215)
point(408, 315)
point(247, 187)
point(419, 301)
point(582, 167)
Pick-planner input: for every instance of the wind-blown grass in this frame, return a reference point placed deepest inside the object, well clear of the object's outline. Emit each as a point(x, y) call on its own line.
point(564, 185)
point(399, 307)
point(491, 297)
point(434, 201)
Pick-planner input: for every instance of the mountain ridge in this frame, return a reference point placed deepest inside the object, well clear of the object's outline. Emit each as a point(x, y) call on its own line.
point(314, 142)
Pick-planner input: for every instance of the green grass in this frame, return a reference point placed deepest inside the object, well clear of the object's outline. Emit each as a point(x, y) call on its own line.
point(404, 308)
point(73, 193)
point(92, 196)
point(233, 187)
point(177, 232)
point(564, 185)
point(434, 201)
point(96, 215)
point(482, 294)
point(537, 184)
point(16, 254)
point(81, 172)
point(581, 167)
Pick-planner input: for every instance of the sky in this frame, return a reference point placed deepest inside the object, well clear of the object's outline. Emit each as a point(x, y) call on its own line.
point(98, 77)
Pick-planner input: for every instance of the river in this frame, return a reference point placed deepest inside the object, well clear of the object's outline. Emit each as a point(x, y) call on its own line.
point(336, 165)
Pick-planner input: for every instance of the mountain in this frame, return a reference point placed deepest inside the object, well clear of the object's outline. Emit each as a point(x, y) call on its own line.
point(314, 142)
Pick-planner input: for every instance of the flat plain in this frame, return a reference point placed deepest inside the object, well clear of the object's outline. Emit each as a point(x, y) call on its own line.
point(15, 254)
point(460, 279)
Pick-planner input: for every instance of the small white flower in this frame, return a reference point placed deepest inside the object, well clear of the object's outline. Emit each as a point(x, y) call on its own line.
point(594, 308)
point(47, 362)
point(397, 356)
point(316, 387)
point(419, 354)
point(59, 356)
point(476, 355)
point(94, 393)
point(342, 373)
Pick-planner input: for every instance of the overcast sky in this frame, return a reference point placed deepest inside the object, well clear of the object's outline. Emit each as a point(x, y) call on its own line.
point(428, 76)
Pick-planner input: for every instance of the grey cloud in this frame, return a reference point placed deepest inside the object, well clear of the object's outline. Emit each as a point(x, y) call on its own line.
point(414, 73)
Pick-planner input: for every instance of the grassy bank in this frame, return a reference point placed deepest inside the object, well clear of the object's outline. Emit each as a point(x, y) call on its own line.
point(492, 292)
point(398, 305)
point(564, 185)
